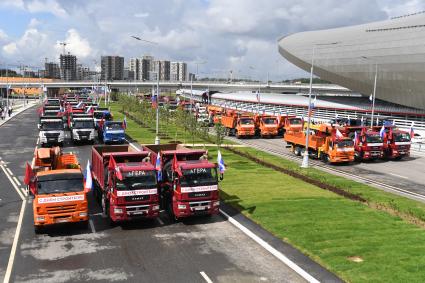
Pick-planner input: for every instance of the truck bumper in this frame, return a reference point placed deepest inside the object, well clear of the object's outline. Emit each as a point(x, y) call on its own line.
point(47, 219)
point(131, 212)
point(191, 208)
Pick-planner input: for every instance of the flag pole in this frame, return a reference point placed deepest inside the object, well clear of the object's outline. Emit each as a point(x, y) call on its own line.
point(374, 95)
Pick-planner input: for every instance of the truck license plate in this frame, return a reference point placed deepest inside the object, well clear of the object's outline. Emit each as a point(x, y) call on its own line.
point(138, 212)
point(61, 220)
point(200, 208)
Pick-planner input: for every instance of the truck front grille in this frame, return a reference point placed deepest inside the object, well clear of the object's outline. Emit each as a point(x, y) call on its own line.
point(59, 209)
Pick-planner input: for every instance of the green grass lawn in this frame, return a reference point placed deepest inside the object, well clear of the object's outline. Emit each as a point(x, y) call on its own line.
point(325, 226)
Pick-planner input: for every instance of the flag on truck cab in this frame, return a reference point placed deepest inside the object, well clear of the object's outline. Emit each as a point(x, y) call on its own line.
point(338, 134)
point(29, 174)
point(382, 132)
point(158, 166)
point(176, 166)
point(356, 137)
point(220, 162)
point(113, 166)
point(412, 132)
point(124, 123)
point(88, 185)
point(258, 96)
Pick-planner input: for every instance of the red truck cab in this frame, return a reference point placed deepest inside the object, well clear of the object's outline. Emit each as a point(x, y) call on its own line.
point(396, 143)
point(189, 183)
point(124, 182)
point(369, 145)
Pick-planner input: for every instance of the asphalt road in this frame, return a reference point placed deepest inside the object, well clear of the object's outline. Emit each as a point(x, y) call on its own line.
point(144, 251)
point(406, 174)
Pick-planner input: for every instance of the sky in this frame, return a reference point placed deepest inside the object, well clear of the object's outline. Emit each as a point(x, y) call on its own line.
point(213, 36)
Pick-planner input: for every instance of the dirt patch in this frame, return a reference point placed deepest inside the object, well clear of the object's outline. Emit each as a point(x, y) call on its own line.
point(355, 259)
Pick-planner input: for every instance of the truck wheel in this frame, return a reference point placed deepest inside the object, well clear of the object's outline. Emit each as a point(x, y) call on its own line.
point(38, 230)
point(297, 151)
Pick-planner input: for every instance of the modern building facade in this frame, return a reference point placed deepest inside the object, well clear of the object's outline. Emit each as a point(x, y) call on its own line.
point(178, 71)
point(134, 66)
point(52, 70)
point(393, 49)
point(112, 68)
point(68, 67)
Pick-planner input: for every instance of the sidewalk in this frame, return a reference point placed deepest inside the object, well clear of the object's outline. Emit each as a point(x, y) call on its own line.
point(17, 111)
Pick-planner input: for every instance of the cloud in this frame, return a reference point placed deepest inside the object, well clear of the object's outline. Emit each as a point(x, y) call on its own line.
point(141, 15)
point(229, 35)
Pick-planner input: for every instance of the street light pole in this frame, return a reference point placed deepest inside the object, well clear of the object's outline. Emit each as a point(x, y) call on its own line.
point(304, 164)
point(157, 140)
point(374, 95)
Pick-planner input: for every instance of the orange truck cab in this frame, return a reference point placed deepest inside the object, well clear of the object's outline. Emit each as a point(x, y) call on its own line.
point(323, 143)
point(57, 184)
point(293, 124)
point(267, 125)
point(239, 125)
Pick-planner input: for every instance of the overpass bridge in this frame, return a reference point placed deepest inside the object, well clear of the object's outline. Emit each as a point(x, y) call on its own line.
point(211, 85)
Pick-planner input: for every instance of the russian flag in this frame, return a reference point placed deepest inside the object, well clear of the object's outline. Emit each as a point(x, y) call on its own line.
point(356, 137)
point(158, 166)
point(382, 132)
point(412, 132)
point(89, 180)
point(338, 134)
point(220, 162)
point(154, 101)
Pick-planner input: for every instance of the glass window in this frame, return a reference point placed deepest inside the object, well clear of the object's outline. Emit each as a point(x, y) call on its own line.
point(401, 137)
point(270, 121)
point(136, 180)
point(199, 177)
point(60, 186)
point(246, 121)
point(52, 126)
point(345, 143)
point(83, 124)
point(114, 126)
point(373, 139)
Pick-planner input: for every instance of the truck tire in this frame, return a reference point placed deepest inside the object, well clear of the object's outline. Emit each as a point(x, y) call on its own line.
point(297, 150)
point(38, 230)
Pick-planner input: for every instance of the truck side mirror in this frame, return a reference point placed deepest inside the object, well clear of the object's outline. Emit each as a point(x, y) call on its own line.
point(221, 177)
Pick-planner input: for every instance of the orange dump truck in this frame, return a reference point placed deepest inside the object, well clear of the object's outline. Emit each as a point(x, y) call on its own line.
point(267, 125)
point(215, 112)
point(324, 143)
point(57, 183)
point(238, 124)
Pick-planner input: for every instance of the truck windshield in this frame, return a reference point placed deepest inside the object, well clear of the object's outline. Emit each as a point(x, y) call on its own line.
point(83, 124)
point(401, 137)
point(247, 121)
point(199, 177)
point(136, 181)
point(114, 126)
point(345, 143)
point(60, 186)
point(100, 115)
point(269, 121)
point(52, 126)
point(295, 121)
point(373, 139)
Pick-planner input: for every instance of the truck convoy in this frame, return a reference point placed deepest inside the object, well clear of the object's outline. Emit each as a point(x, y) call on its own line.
point(51, 131)
point(56, 181)
point(324, 143)
point(124, 182)
point(189, 183)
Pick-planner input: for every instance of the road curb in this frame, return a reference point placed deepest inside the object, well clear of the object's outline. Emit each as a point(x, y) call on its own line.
point(311, 267)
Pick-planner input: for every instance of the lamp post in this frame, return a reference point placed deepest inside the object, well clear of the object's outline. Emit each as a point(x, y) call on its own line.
point(374, 90)
point(304, 163)
point(157, 139)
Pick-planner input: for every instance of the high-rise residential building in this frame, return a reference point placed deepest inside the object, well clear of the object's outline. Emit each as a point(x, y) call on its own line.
point(174, 71)
point(68, 67)
point(182, 75)
point(164, 73)
point(112, 68)
point(51, 70)
point(146, 66)
point(134, 67)
point(84, 73)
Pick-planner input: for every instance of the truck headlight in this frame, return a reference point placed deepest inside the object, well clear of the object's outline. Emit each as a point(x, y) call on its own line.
point(117, 210)
point(216, 203)
point(83, 214)
point(155, 207)
point(181, 206)
point(40, 218)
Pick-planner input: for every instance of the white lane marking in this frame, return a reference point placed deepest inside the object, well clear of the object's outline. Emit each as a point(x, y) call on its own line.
point(270, 249)
point(160, 221)
point(203, 274)
point(8, 170)
point(38, 140)
point(16, 181)
point(92, 226)
point(14, 245)
point(399, 176)
point(13, 184)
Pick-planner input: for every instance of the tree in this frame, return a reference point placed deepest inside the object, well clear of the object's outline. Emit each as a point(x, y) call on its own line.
point(220, 132)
